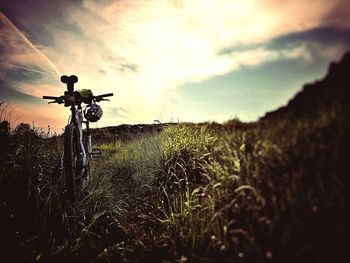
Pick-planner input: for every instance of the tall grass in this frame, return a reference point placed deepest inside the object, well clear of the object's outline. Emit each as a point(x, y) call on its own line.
point(245, 193)
point(238, 192)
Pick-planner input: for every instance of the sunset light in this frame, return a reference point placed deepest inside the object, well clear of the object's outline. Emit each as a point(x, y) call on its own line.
point(174, 131)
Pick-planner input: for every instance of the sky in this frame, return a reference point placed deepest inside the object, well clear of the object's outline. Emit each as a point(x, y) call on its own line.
point(168, 60)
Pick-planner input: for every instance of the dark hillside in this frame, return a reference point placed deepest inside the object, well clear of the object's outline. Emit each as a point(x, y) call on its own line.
point(332, 91)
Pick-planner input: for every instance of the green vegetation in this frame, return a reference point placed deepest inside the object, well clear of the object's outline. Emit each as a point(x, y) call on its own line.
point(237, 191)
point(232, 192)
point(274, 190)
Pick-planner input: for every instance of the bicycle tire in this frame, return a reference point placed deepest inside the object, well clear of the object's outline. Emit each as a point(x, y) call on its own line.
point(70, 158)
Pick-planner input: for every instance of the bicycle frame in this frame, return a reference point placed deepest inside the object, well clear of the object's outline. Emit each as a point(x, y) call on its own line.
point(77, 119)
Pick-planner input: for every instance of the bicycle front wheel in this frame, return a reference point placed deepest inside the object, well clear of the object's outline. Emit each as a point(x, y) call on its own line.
point(71, 162)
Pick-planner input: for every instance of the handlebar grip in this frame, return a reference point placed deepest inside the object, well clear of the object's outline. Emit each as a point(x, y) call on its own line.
point(49, 98)
point(105, 95)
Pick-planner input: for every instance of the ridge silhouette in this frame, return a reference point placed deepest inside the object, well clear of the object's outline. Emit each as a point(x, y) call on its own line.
point(331, 91)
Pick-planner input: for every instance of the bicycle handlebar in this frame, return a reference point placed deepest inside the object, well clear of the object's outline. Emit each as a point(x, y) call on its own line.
point(104, 95)
point(61, 99)
point(50, 98)
point(101, 97)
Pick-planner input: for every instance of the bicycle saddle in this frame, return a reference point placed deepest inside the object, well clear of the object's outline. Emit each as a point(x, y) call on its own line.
point(69, 80)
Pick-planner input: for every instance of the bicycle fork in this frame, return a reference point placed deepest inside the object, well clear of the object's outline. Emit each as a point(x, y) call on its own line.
point(93, 152)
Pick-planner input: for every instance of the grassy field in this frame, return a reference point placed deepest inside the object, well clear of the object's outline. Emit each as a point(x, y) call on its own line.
point(276, 190)
point(233, 192)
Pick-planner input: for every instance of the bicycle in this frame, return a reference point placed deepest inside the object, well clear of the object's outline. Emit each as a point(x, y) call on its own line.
point(77, 143)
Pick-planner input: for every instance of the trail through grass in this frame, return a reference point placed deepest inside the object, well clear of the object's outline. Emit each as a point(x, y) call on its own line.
point(218, 192)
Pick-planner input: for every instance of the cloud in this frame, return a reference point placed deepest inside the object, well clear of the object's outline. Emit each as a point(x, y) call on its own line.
point(321, 35)
point(118, 112)
point(30, 53)
point(22, 63)
point(339, 15)
point(11, 95)
point(29, 108)
point(318, 44)
point(177, 43)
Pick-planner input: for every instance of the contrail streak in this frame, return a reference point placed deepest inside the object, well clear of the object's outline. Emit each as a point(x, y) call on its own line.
point(26, 68)
point(30, 44)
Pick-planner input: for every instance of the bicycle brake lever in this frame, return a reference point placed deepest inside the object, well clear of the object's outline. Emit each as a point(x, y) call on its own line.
point(59, 101)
